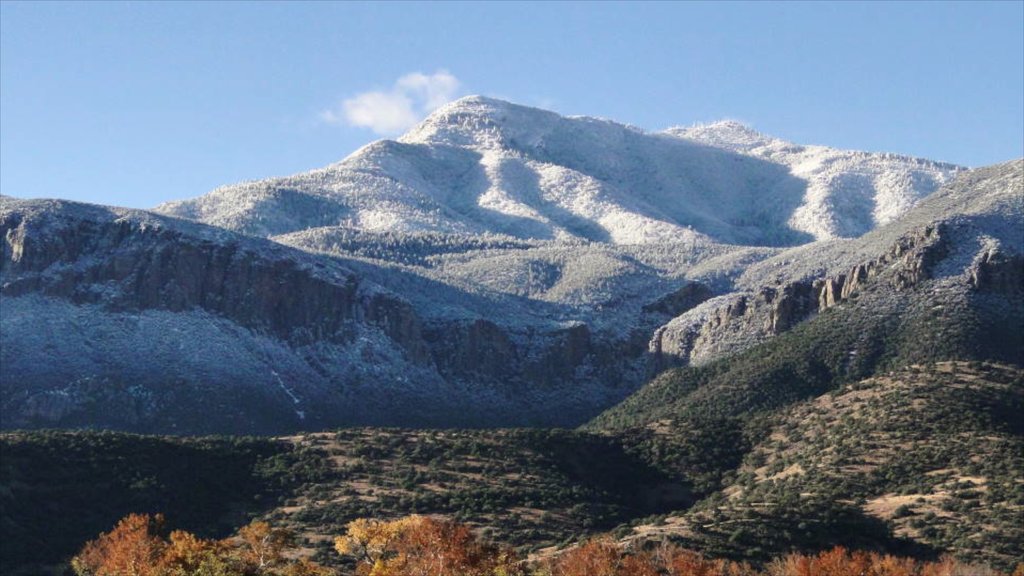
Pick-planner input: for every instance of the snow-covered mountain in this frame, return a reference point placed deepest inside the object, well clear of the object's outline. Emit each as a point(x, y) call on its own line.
point(484, 166)
point(497, 265)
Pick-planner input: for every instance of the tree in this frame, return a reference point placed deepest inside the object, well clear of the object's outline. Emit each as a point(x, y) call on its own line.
point(135, 548)
point(132, 548)
point(187, 555)
point(264, 546)
point(421, 546)
point(371, 542)
point(598, 557)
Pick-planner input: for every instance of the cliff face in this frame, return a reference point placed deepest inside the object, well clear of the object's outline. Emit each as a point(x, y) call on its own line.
point(738, 321)
point(129, 265)
point(994, 271)
point(248, 335)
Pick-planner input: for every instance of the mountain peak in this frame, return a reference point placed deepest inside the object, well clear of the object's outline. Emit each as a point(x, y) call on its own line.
point(478, 121)
point(731, 134)
point(729, 125)
point(476, 100)
point(484, 165)
point(473, 105)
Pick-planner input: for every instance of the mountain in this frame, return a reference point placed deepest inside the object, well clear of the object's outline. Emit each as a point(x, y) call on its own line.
point(959, 249)
point(765, 346)
point(484, 166)
point(131, 320)
point(531, 269)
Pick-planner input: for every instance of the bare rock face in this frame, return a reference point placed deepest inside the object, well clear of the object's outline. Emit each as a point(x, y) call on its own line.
point(126, 265)
point(481, 351)
point(996, 272)
point(830, 291)
point(473, 349)
point(791, 305)
point(738, 321)
point(313, 343)
point(681, 300)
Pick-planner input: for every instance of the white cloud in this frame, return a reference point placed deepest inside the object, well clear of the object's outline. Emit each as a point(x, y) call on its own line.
point(411, 98)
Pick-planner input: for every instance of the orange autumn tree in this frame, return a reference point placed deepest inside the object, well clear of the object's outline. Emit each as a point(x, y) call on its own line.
point(421, 546)
point(841, 562)
point(604, 557)
point(135, 548)
point(132, 548)
point(432, 547)
point(187, 554)
point(598, 557)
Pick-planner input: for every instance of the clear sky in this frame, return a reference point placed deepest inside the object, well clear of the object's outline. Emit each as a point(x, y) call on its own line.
point(133, 104)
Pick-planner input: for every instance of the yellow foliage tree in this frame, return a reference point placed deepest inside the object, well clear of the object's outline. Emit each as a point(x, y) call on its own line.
point(372, 541)
point(264, 545)
point(421, 546)
point(186, 555)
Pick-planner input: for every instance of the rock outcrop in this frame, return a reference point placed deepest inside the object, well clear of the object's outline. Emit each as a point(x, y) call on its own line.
point(740, 320)
point(131, 265)
point(312, 341)
point(996, 272)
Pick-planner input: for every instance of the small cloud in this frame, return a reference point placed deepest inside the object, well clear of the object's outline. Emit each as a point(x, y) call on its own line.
point(383, 112)
point(411, 98)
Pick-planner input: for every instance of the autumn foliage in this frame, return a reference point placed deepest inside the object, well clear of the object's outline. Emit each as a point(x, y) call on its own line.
point(422, 546)
point(603, 557)
point(135, 547)
point(130, 549)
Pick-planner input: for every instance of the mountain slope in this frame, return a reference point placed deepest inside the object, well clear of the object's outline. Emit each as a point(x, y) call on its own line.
point(130, 320)
point(925, 460)
point(952, 288)
point(148, 313)
point(523, 487)
point(847, 192)
point(484, 166)
point(958, 243)
point(849, 402)
point(124, 319)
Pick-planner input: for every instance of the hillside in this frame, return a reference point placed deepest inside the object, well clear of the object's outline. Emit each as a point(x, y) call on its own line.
point(923, 460)
point(918, 461)
point(521, 487)
point(162, 323)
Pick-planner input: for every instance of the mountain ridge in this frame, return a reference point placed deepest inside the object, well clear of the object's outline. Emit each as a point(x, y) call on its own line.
point(481, 165)
point(396, 277)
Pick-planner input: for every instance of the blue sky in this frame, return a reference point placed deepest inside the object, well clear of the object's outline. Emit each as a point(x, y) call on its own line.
point(133, 104)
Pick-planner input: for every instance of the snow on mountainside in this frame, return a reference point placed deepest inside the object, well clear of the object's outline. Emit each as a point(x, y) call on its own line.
point(496, 266)
point(484, 166)
point(847, 192)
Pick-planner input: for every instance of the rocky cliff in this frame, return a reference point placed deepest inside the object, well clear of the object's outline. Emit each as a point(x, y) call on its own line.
point(126, 319)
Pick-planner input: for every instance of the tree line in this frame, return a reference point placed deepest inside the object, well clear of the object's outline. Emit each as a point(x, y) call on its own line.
point(424, 546)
